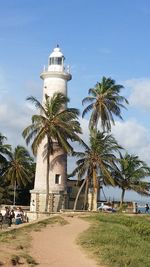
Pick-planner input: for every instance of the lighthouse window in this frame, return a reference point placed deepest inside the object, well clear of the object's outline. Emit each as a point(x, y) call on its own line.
point(51, 61)
point(59, 60)
point(57, 178)
point(55, 61)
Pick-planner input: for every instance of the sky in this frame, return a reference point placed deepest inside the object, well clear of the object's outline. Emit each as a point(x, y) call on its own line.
point(98, 38)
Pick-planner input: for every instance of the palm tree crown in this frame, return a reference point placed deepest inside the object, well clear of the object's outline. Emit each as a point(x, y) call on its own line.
point(4, 152)
point(104, 102)
point(99, 155)
point(129, 174)
point(54, 122)
point(19, 166)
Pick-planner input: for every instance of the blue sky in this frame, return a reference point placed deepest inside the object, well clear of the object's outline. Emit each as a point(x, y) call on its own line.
point(110, 38)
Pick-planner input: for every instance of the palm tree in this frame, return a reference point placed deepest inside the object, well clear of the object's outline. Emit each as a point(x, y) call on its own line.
point(18, 168)
point(96, 161)
point(129, 174)
point(4, 151)
point(104, 102)
point(6, 194)
point(25, 191)
point(56, 124)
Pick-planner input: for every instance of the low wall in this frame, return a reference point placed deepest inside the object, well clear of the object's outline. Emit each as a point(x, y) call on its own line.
point(32, 216)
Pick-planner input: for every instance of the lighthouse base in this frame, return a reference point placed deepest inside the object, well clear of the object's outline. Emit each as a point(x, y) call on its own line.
point(56, 202)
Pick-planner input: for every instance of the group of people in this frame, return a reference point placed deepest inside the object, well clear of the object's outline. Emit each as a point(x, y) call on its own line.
point(137, 210)
point(12, 216)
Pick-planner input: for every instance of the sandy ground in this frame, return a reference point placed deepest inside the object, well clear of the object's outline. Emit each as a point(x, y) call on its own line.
point(55, 245)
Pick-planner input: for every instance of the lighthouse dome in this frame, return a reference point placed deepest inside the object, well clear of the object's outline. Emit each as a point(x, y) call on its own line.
point(56, 53)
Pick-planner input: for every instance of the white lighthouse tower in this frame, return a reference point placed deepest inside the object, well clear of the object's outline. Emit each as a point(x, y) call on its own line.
point(55, 79)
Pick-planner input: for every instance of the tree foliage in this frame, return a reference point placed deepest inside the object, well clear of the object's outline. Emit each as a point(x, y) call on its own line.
point(105, 102)
point(130, 173)
point(97, 160)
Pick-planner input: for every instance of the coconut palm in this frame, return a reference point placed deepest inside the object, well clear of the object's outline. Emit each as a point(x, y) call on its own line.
point(104, 102)
point(56, 124)
point(25, 191)
point(129, 174)
point(6, 194)
point(4, 151)
point(18, 168)
point(96, 162)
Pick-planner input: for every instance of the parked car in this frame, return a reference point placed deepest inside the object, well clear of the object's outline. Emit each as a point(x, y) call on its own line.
point(106, 208)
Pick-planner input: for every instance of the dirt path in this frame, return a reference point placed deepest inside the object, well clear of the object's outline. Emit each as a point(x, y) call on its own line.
point(55, 245)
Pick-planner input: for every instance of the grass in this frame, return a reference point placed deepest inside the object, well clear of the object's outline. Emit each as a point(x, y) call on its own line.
point(15, 244)
point(14, 233)
point(118, 241)
point(29, 259)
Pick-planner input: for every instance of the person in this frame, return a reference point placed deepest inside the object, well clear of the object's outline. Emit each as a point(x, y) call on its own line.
point(18, 219)
point(25, 217)
point(1, 220)
point(136, 208)
point(21, 213)
point(7, 217)
point(12, 216)
point(146, 208)
point(18, 216)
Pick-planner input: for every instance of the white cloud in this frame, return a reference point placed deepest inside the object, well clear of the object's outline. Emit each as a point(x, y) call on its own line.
point(15, 112)
point(134, 137)
point(14, 117)
point(33, 87)
point(3, 84)
point(3, 111)
point(85, 129)
point(140, 92)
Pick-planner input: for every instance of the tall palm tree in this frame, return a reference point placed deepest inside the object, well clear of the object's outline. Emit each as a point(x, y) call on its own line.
point(104, 102)
point(97, 161)
point(129, 174)
point(18, 169)
point(4, 151)
point(56, 124)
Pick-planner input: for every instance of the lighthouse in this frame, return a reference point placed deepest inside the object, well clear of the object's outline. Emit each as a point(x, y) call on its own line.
point(55, 78)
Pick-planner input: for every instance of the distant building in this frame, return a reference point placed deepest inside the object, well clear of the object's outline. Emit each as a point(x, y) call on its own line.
point(72, 190)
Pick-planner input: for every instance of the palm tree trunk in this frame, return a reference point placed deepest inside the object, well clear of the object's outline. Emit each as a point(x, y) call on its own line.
point(47, 175)
point(78, 194)
point(86, 194)
point(14, 201)
point(122, 197)
point(98, 191)
point(94, 204)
